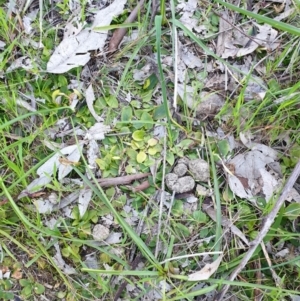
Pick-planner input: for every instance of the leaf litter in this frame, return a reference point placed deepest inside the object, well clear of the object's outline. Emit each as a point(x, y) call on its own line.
point(74, 50)
point(249, 174)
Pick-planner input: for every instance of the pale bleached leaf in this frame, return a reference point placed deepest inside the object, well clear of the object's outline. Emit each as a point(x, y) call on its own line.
point(207, 271)
point(73, 27)
point(237, 187)
point(61, 264)
point(35, 185)
point(2, 45)
point(47, 167)
point(97, 131)
point(25, 105)
point(27, 24)
point(67, 200)
point(23, 62)
point(66, 165)
point(85, 196)
point(270, 184)
point(266, 150)
point(90, 98)
point(283, 253)
point(114, 238)
point(92, 153)
point(293, 195)
point(91, 261)
point(265, 38)
point(43, 206)
point(191, 60)
point(75, 49)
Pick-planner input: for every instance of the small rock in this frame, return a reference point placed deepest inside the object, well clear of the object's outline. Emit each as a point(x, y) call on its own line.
point(100, 232)
point(179, 185)
point(184, 160)
point(199, 169)
point(171, 179)
point(180, 169)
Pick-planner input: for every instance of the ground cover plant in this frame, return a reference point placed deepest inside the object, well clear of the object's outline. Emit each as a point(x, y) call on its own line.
point(150, 150)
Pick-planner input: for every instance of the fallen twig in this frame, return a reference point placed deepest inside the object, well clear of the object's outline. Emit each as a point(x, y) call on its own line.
point(268, 221)
point(144, 185)
point(119, 34)
point(107, 182)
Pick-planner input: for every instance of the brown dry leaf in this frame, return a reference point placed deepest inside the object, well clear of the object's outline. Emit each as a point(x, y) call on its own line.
point(207, 271)
point(17, 274)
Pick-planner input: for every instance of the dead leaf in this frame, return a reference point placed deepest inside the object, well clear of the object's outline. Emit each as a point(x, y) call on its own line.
point(73, 153)
point(207, 271)
point(61, 264)
point(97, 131)
point(23, 62)
point(17, 274)
point(190, 60)
point(85, 196)
point(75, 50)
point(225, 32)
point(35, 185)
point(90, 98)
point(265, 38)
point(238, 188)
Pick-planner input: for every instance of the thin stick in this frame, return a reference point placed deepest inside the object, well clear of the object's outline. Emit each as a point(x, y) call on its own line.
point(121, 32)
point(264, 229)
point(107, 182)
point(276, 278)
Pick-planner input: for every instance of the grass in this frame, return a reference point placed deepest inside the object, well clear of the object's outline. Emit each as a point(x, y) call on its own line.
point(171, 239)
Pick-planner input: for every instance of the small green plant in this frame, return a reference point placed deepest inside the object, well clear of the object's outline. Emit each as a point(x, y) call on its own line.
point(31, 287)
point(5, 287)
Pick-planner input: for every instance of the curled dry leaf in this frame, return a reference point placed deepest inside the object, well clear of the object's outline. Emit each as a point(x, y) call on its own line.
point(90, 98)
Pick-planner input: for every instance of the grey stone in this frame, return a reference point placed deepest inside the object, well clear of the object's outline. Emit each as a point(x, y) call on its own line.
point(100, 232)
point(180, 169)
point(179, 185)
point(199, 169)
